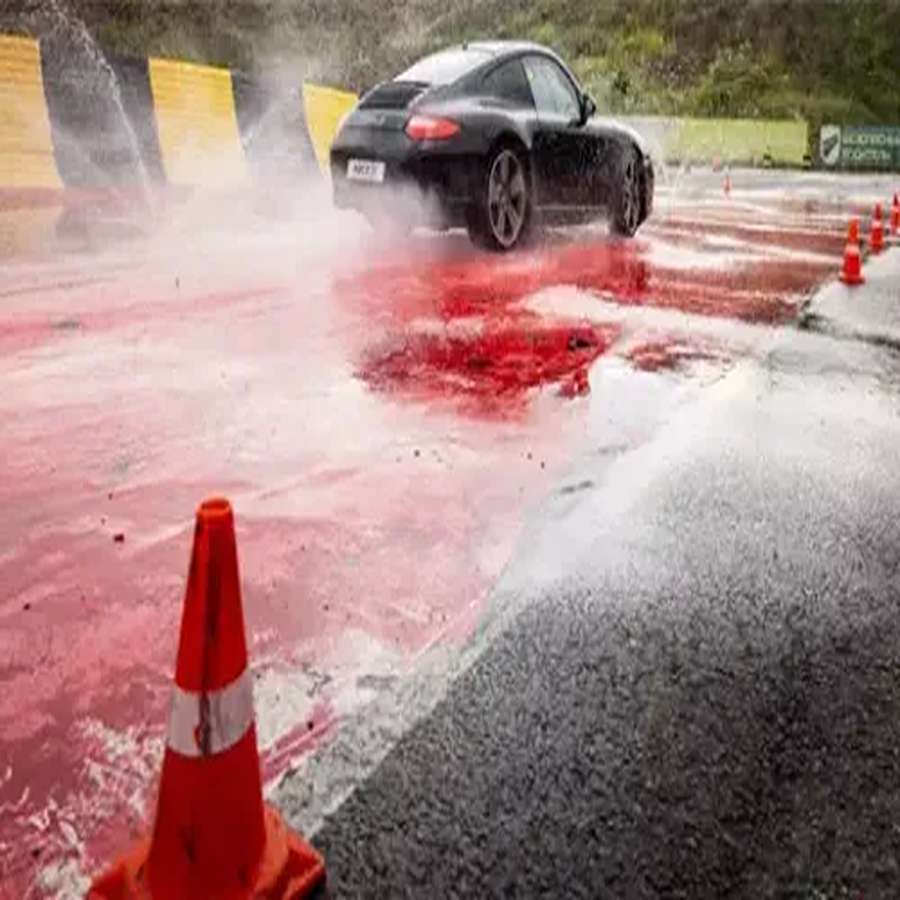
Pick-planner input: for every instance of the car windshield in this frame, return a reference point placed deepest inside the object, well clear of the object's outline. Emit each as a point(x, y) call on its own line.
point(444, 67)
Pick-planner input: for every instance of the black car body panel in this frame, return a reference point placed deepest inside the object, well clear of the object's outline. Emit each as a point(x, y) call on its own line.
point(573, 160)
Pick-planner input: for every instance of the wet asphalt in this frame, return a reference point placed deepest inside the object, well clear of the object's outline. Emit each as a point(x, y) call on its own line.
point(696, 690)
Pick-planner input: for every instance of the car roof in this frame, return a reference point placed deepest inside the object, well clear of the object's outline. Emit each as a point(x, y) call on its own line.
point(491, 52)
point(503, 48)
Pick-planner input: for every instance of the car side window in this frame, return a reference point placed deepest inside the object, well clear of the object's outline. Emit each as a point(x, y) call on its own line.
point(552, 89)
point(509, 82)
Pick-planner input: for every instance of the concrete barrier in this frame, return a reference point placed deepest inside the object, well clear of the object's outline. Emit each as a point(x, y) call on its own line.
point(197, 124)
point(274, 131)
point(749, 142)
point(86, 137)
point(739, 141)
point(325, 107)
point(101, 116)
point(30, 186)
point(28, 221)
point(26, 146)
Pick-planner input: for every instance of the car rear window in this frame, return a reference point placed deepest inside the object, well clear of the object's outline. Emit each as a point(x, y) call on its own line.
point(392, 95)
point(445, 67)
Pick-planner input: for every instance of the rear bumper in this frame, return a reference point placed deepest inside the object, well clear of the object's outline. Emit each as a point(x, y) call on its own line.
point(424, 182)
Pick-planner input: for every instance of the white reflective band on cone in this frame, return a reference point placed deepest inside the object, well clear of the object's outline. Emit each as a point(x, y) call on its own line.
point(205, 724)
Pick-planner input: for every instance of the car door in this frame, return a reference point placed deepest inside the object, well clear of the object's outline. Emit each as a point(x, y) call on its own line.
point(564, 150)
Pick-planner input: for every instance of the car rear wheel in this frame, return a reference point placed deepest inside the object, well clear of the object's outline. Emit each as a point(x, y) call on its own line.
point(625, 214)
point(501, 217)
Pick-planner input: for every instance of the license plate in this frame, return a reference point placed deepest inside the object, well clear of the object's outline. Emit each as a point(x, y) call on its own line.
point(365, 170)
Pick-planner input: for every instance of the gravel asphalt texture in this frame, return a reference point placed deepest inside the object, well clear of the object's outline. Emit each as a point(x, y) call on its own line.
point(697, 695)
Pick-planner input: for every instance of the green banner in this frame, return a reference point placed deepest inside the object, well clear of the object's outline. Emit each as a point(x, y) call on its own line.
point(860, 147)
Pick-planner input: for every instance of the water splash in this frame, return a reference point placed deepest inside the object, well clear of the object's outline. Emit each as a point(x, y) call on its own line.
point(52, 21)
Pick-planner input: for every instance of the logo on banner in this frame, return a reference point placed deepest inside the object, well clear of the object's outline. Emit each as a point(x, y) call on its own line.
point(830, 145)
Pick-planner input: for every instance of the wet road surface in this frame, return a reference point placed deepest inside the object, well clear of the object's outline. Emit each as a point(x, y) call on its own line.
point(695, 687)
point(398, 428)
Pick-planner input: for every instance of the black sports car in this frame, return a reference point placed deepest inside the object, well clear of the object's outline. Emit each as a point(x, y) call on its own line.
point(492, 135)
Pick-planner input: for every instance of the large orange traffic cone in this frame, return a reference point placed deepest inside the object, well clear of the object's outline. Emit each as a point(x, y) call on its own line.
point(213, 839)
point(876, 231)
point(852, 271)
point(895, 216)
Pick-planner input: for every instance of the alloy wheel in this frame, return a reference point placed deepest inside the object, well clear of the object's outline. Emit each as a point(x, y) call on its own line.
point(507, 198)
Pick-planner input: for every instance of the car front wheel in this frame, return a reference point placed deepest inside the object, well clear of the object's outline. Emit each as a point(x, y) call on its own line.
point(501, 217)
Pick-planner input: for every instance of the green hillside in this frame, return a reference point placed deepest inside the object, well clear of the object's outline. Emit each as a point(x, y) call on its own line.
point(835, 60)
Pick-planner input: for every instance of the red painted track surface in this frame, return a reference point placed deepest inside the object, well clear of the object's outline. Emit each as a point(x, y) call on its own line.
point(382, 421)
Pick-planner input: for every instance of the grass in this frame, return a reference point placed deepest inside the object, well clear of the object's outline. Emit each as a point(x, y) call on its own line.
point(820, 60)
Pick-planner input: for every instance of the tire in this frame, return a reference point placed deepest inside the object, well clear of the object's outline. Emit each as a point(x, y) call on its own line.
point(500, 219)
point(627, 203)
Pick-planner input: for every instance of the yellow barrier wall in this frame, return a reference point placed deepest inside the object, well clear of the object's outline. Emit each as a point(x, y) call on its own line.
point(26, 147)
point(27, 231)
point(197, 125)
point(788, 141)
point(736, 141)
point(324, 108)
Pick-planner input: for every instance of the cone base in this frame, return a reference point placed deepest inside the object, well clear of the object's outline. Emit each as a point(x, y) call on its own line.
point(124, 879)
point(852, 279)
point(291, 869)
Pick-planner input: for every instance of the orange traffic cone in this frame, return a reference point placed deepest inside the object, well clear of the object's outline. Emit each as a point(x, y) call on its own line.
point(213, 837)
point(876, 231)
point(895, 216)
point(726, 185)
point(852, 271)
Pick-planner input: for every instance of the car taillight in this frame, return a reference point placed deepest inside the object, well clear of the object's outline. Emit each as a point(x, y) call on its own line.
point(428, 128)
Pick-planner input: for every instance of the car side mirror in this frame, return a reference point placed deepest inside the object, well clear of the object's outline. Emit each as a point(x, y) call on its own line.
point(588, 107)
